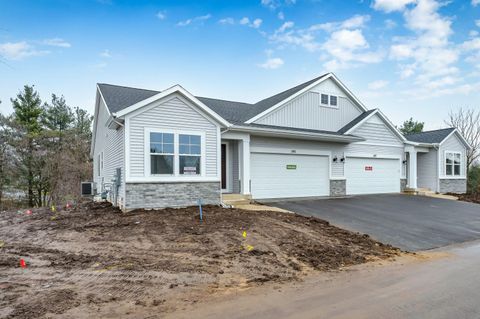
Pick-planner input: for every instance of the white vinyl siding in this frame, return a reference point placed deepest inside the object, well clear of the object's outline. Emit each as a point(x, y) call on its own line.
point(289, 175)
point(452, 144)
point(109, 145)
point(427, 170)
point(174, 113)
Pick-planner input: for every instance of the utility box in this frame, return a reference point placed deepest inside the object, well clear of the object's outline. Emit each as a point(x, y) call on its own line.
point(88, 188)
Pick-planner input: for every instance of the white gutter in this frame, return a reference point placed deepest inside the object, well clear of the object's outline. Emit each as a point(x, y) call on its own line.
point(295, 134)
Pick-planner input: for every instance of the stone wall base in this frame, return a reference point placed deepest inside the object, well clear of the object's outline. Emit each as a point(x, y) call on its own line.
point(338, 187)
point(457, 186)
point(162, 195)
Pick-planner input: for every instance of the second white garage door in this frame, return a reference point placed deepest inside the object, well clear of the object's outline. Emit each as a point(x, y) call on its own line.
point(285, 175)
point(372, 175)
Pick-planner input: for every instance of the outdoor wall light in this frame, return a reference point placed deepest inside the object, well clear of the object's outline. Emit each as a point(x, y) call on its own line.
point(404, 161)
point(342, 159)
point(335, 159)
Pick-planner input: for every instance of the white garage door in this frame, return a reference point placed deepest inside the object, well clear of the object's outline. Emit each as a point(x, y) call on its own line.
point(372, 175)
point(285, 175)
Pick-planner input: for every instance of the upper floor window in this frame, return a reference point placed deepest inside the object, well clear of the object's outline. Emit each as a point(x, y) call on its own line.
point(329, 100)
point(453, 163)
point(325, 99)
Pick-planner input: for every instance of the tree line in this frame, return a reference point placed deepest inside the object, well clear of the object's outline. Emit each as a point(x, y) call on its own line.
point(44, 151)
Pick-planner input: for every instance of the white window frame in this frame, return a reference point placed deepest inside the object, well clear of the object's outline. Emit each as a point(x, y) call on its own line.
point(328, 104)
point(176, 176)
point(453, 164)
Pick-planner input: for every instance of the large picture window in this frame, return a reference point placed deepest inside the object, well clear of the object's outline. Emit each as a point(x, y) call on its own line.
point(453, 164)
point(174, 153)
point(162, 152)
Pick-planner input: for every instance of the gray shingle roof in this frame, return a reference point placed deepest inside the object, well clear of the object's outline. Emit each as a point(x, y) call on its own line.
point(120, 97)
point(355, 121)
point(296, 129)
point(430, 137)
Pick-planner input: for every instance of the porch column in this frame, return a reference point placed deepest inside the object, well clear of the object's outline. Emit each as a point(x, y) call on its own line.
point(412, 169)
point(244, 148)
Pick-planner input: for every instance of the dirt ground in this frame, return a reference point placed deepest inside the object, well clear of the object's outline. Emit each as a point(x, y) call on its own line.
point(471, 198)
point(93, 261)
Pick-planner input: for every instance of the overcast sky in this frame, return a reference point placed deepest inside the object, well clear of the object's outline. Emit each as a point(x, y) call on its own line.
point(417, 58)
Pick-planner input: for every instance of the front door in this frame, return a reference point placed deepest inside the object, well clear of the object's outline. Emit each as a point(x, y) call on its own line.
point(224, 166)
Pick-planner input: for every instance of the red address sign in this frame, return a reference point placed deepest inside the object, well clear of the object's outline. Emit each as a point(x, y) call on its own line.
point(369, 168)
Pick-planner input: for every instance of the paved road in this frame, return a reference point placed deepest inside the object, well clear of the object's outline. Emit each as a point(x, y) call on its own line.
point(409, 222)
point(442, 287)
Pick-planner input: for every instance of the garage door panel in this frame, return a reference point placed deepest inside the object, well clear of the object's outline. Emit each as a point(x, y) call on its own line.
point(271, 178)
point(372, 175)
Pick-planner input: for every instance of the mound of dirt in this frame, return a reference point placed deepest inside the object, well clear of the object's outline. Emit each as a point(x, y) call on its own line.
point(94, 254)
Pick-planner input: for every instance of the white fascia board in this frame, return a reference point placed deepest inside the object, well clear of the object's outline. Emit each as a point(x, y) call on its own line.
point(464, 141)
point(297, 134)
point(171, 90)
point(305, 89)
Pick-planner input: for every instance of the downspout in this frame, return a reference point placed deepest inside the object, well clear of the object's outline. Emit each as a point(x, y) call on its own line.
point(437, 173)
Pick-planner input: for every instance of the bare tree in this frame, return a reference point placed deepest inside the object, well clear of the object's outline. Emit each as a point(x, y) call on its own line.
point(467, 122)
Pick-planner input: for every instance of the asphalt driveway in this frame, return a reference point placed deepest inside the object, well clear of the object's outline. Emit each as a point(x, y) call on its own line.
point(409, 222)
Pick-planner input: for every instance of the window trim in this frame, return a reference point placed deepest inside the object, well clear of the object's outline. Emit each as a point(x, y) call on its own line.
point(453, 164)
point(176, 155)
point(159, 154)
point(328, 104)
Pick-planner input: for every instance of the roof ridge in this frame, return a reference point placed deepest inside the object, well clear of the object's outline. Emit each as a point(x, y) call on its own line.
point(128, 87)
point(213, 98)
point(293, 88)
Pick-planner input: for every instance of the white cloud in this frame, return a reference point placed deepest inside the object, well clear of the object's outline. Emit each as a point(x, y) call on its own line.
point(56, 42)
point(105, 54)
point(377, 85)
point(285, 26)
point(391, 5)
point(19, 50)
point(195, 20)
point(244, 20)
point(281, 15)
point(275, 4)
point(428, 51)
point(226, 21)
point(272, 63)
point(477, 22)
point(473, 33)
point(256, 23)
point(161, 15)
point(475, 3)
point(345, 45)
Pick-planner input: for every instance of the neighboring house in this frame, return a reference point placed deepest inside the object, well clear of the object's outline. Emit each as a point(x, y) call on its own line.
point(156, 149)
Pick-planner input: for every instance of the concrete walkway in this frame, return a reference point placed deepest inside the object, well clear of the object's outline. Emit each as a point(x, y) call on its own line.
point(445, 284)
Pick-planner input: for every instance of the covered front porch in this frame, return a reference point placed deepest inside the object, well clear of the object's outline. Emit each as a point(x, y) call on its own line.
point(421, 169)
point(235, 163)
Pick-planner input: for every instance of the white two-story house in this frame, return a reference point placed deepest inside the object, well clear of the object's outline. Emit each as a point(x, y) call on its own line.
point(154, 149)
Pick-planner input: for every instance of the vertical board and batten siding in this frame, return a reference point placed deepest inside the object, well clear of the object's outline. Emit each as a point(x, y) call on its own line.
point(175, 114)
point(270, 144)
point(453, 144)
point(112, 143)
point(306, 111)
point(427, 171)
